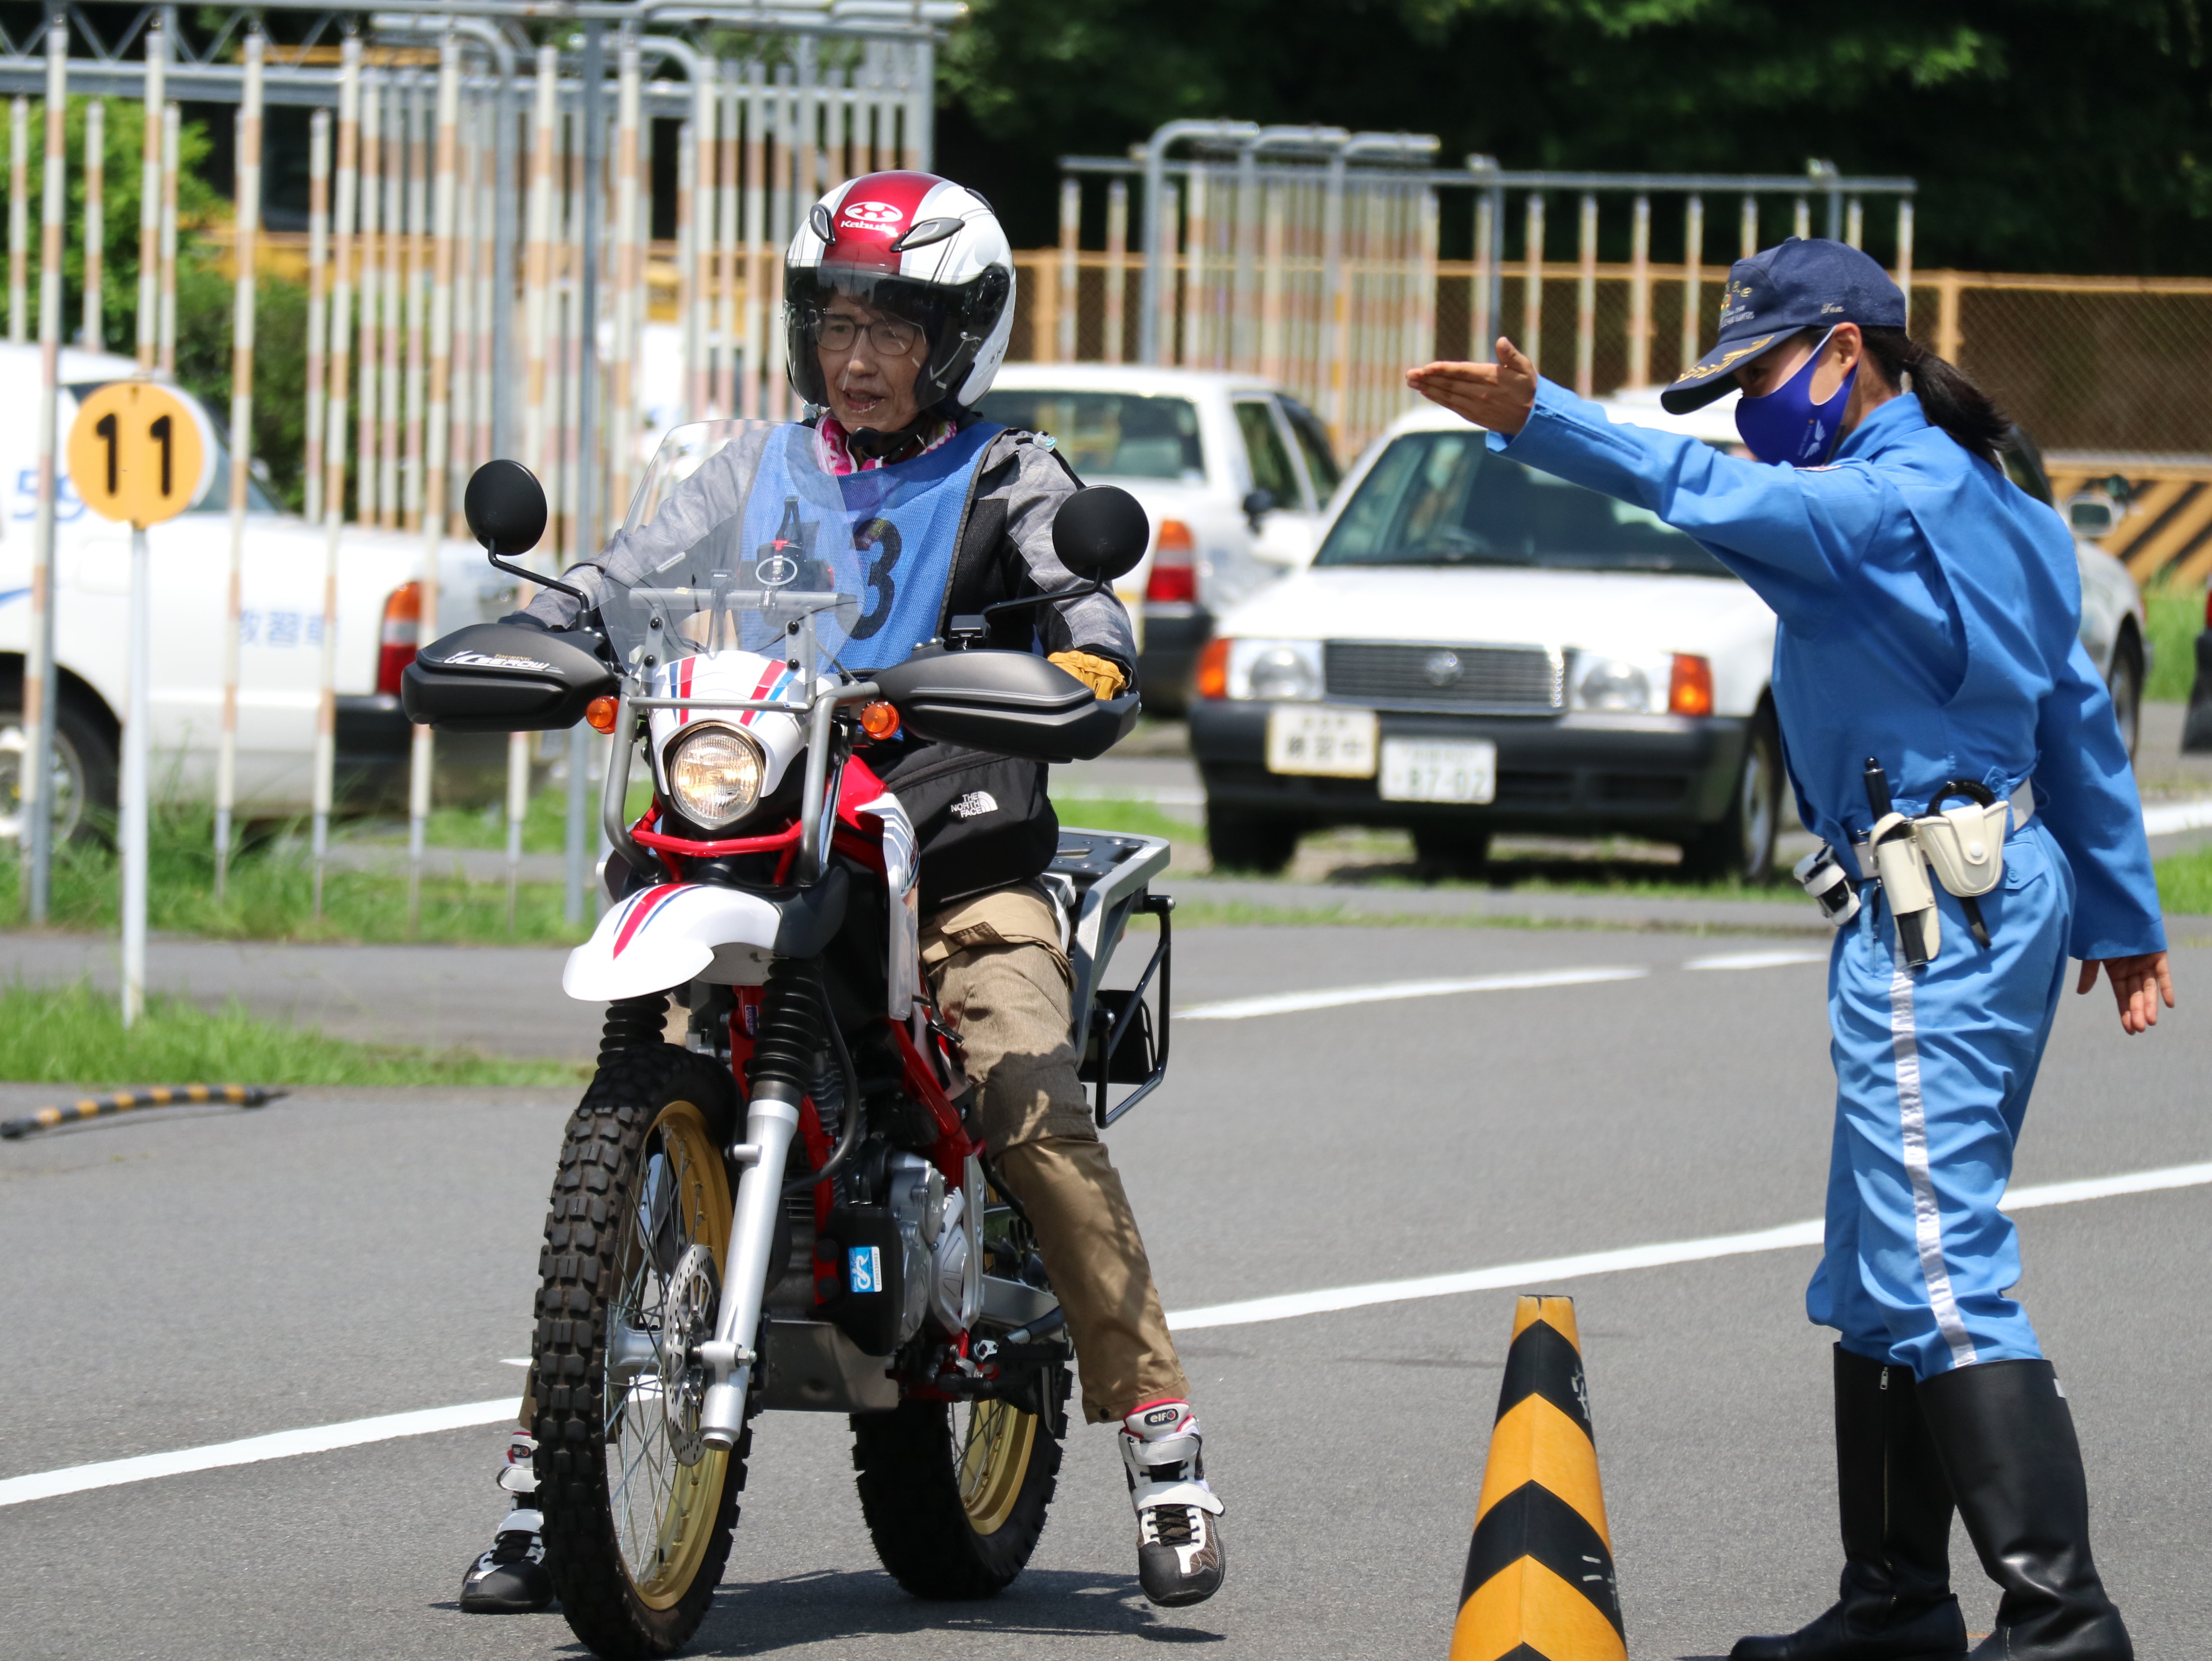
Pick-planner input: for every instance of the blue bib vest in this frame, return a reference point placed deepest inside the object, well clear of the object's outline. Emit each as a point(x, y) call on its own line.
point(888, 535)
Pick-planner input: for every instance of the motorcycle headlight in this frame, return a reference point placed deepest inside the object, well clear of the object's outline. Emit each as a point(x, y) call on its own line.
point(714, 774)
point(1275, 669)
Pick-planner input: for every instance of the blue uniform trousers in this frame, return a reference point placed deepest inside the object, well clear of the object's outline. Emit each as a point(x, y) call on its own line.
point(1933, 1072)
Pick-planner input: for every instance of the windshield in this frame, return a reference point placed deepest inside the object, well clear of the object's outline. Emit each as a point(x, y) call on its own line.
point(1108, 435)
point(1444, 499)
point(706, 563)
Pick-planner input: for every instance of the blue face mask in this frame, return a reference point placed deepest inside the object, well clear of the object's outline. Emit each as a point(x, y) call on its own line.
point(1785, 425)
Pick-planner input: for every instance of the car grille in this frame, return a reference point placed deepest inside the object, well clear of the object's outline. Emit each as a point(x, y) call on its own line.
point(1496, 679)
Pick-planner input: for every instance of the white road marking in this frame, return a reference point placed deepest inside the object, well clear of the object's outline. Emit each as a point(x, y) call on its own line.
point(514, 1360)
point(1756, 960)
point(78, 1479)
point(1650, 1256)
point(2168, 818)
point(1289, 1003)
point(284, 1444)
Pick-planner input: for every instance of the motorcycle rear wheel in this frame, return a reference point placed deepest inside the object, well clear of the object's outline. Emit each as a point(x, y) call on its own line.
point(955, 1494)
point(638, 1511)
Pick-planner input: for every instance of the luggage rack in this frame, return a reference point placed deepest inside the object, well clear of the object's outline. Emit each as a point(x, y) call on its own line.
point(1103, 878)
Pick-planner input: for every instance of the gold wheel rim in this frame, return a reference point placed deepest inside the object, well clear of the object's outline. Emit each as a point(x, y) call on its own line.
point(681, 1519)
point(994, 1458)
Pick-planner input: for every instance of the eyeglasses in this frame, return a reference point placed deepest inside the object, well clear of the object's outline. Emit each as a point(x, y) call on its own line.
point(837, 332)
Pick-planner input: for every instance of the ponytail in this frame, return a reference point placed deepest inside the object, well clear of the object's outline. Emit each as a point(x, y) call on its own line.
point(1948, 399)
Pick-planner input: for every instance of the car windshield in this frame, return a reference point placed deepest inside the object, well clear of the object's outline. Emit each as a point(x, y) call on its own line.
point(1108, 435)
point(1444, 499)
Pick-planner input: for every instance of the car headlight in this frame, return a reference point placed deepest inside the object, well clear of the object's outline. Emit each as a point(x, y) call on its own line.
point(714, 774)
point(1275, 669)
point(1635, 686)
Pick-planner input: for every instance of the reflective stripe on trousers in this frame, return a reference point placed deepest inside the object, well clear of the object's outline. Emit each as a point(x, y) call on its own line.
point(1934, 1068)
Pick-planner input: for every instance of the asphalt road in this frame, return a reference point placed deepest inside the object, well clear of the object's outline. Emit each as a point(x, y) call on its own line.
point(191, 1279)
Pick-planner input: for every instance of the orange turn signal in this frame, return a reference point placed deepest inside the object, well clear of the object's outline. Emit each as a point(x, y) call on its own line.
point(1213, 669)
point(600, 714)
point(879, 721)
point(1690, 688)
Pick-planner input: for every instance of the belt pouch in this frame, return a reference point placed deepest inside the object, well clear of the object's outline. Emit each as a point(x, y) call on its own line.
point(1965, 846)
point(1905, 886)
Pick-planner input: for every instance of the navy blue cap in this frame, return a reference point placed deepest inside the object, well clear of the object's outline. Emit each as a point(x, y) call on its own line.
point(1796, 284)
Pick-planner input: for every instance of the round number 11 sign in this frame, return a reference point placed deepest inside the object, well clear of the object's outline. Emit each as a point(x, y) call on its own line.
point(137, 453)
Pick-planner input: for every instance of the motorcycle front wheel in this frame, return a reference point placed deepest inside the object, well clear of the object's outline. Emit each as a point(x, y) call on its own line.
point(956, 1494)
point(638, 1510)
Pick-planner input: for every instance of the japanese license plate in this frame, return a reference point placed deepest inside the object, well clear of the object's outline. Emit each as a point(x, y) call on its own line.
point(1417, 770)
point(1312, 738)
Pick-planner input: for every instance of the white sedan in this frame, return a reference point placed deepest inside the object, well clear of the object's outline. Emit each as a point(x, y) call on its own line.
point(1479, 647)
point(1233, 473)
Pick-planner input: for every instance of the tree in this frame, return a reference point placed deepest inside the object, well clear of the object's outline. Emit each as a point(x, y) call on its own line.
point(2046, 135)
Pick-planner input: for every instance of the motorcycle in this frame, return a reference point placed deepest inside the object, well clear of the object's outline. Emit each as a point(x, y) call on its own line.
point(790, 1210)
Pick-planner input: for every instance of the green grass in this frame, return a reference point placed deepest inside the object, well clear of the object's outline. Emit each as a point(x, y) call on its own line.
point(73, 1035)
point(2184, 882)
point(2176, 616)
point(270, 895)
point(1131, 818)
point(544, 827)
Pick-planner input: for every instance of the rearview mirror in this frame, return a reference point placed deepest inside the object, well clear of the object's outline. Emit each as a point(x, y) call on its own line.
point(505, 507)
point(2092, 517)
point(1101, 533)
point(1257, 505)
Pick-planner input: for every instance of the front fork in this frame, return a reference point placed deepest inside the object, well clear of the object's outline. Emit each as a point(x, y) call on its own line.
point(771, 1121)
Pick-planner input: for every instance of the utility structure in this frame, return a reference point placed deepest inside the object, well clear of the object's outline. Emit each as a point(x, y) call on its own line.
point(1311, 255)
point(421, 260)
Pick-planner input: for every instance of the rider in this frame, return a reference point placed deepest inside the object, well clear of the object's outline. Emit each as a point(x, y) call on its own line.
point(899, 301)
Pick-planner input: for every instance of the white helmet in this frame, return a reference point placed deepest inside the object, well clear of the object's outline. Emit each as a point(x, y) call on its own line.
point(919, 247)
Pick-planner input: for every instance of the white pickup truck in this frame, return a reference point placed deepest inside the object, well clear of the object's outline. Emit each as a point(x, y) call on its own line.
point(280, 631)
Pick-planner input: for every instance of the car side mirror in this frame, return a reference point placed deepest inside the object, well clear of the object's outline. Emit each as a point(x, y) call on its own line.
point(1101, 533)
point(2092, 517)
point(1257, 505)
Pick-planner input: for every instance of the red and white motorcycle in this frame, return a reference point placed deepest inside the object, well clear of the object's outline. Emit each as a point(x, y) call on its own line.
point(789, 1210)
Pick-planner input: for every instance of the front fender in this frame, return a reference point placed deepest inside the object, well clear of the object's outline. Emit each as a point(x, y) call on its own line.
point(675, 933)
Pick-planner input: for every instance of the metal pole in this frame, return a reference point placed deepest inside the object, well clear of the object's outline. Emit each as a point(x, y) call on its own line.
point(1693, 249)
point(1480, 309)
point(725, 246)
point(1748, 228)
point(19, 219)
point(1855, 223)
point(1067, 290)
point(334, 438)
point(1801, 218)
point(1639, 294)
point(1159, 275)
point(417, 266)
point(172, 141)
point(1117, 265)
point(1905, 253)
point(595, 141)
point(502, 255)
point(371, 99)
point(41, 684)
point(755, 401)
point(319, 258)
point(137, 713)
point(437, 429)
point(1274, 261)
point(612, 459)
point(1335, 296)
point(700, 403)
point(150, 197)
point(392, 288)
point(1586, 298)
point(1532, 289)
point(1198, 230)
point(93, 338)
point(241, 443)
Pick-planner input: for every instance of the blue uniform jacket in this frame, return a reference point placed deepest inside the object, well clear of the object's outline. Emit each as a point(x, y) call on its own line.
point(1929, 609)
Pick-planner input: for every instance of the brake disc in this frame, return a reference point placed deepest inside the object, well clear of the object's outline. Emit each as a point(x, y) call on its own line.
point(695, 1293)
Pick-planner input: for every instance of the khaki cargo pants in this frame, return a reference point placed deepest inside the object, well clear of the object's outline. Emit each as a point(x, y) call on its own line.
point(995, 963)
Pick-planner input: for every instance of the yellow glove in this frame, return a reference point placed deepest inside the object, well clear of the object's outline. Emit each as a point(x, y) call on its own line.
point(1100, 676)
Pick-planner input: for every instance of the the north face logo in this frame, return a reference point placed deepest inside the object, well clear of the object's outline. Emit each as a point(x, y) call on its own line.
point(974, 803)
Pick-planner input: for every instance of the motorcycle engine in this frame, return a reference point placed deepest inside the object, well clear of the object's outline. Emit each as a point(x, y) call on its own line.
point(940, 1235)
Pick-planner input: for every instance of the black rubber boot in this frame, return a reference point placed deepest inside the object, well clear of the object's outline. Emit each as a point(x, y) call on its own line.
point(2007, 1440)
point(1895, 1602)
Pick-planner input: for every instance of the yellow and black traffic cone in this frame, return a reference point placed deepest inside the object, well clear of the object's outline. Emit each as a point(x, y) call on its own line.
point(1538, 1584)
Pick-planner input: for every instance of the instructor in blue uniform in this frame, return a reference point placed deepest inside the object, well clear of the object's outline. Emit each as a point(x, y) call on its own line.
point(1933, 698)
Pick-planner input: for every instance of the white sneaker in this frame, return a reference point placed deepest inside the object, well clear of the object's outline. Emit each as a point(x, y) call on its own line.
point(1180, 1559)
point(511, 1579)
